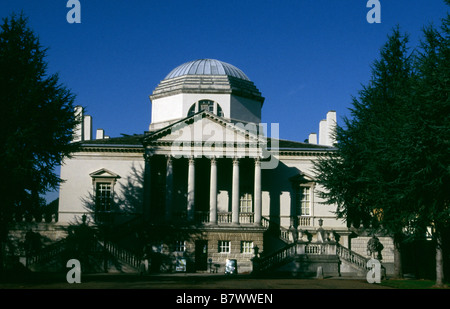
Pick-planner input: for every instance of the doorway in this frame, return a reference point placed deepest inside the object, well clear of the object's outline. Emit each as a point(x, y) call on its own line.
point(201, 254)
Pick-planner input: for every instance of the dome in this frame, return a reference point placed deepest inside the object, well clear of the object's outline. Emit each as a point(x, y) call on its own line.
point(207, 67)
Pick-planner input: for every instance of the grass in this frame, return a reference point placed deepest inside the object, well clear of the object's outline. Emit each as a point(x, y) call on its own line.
point(411, 284)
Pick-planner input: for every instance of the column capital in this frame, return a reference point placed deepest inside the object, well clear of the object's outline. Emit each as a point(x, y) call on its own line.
point(235, 161)
point(191, 160)
point(257, 161)
point(169, 159)
point(213, 160)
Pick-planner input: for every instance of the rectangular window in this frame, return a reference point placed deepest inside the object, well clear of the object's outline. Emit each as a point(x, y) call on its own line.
point(103, 197)
point(245, 204)
point(247, 247)
point(180, 246)
point(304, 201)
point(224, 246)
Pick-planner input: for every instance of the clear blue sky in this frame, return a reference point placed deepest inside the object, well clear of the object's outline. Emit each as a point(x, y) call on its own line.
point(306, 56)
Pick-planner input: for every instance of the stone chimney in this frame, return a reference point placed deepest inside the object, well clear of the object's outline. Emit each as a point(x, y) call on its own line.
point(327, 128)
point(100, 134)
point(312, 139)
point(331, 128)
point(78, 130)
point(87, 130)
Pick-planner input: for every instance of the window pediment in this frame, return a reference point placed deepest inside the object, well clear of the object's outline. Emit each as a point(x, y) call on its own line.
point(104, 173)
point(301, 178)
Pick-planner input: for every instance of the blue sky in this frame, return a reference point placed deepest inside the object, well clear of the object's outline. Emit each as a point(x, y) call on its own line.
point(306, 56)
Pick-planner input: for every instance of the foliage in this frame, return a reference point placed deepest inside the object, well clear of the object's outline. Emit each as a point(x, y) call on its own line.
point(360, 177)
point(392, 164)
point(38, 120)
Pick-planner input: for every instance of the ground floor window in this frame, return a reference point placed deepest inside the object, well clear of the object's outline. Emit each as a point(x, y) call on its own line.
point(224, 246)
point(246, 246)
point(180, 246)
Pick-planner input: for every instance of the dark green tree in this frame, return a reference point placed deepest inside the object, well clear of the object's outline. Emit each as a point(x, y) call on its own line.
point(37, 124)
point(427, 161)
point(362, 176)
point(392, 165)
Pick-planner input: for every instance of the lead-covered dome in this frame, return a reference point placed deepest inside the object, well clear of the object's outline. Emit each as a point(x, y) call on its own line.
point(205, 85)
point(207, 76)
point(207, 67)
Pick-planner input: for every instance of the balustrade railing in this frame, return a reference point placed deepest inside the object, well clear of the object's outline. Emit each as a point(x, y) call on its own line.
point(317, 248)
point(46, 254)
point(300, 248)
point(35, 218)
point(304, 248)
point(224, 217)
point(351, 257)
point(202, 216)
point(122, 254)
point(304, 221)
point(274, 259)
point(246, 217)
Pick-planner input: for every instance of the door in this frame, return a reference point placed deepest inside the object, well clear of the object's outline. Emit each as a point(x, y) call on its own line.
point(201, 254)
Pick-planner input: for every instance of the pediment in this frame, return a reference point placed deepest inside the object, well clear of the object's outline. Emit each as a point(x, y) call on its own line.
point(205, 127)
point(104, 173)
point(301, 178)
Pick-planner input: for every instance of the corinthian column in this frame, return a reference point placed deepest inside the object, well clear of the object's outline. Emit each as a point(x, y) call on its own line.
point(235, 193)
point(169, 188)
point(258, 192)
point(213, 192)
point(191, 189)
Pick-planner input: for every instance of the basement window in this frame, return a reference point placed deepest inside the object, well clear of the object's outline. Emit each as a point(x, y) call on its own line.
point(224, 246)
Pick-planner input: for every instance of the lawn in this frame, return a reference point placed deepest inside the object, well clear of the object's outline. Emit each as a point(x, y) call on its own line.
point(411, 284)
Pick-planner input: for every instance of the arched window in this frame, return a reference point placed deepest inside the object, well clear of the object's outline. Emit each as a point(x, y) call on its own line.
point(207, 105)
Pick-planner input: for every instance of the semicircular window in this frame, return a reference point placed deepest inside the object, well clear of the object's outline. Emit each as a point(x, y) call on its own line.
point(207, 105)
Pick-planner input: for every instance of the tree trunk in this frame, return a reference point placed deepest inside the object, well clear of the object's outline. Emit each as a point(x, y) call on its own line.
point(398, 271)
point(2, 256)
point(439, 261)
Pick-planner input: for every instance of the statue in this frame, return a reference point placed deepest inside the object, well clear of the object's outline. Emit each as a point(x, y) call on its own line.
point(374, 247)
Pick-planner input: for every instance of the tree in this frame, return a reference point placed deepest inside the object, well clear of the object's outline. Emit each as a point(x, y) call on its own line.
point(38, 121)
point(391, 169)
point(428, 158)
point(361, 178)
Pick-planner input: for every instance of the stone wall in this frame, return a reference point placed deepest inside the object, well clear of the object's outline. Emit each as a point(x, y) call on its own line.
point(48, 233)
point(235, 238)
point(359, 245)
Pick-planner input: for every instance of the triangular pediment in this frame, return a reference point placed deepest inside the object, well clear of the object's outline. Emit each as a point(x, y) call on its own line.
point(205, 127)
point(104, 173)
point(300, 178)
point(205, 134)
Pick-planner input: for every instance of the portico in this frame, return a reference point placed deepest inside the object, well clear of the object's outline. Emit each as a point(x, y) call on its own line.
point(213, 191)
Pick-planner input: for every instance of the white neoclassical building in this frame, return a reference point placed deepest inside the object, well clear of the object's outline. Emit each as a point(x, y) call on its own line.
point(209, 168)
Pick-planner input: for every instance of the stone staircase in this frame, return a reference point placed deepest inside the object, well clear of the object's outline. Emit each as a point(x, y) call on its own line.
point(303, 258)
point(54, 257)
